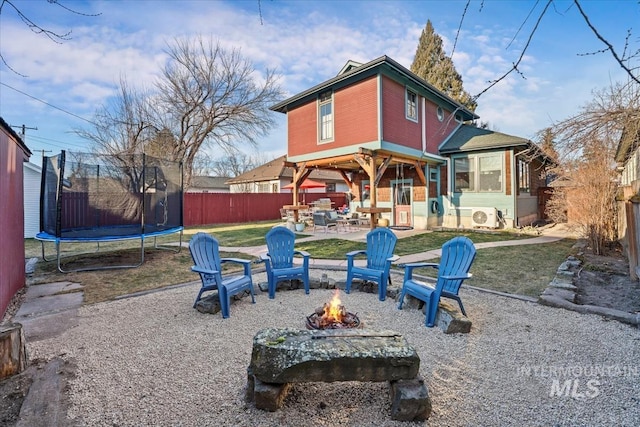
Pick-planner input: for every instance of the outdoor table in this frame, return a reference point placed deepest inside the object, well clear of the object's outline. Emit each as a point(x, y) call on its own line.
point(373, 213)
point(295, 209)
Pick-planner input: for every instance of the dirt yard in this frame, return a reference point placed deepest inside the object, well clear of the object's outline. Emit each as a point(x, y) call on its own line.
point(605, 281)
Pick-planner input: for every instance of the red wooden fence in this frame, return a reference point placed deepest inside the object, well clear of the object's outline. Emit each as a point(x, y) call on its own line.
point(226, 208)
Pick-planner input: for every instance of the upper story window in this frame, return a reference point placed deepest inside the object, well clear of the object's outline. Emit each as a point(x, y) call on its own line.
point(412, 105)
point(478, 173)
point(440, 114)
point(524, 183)
point(325, 116)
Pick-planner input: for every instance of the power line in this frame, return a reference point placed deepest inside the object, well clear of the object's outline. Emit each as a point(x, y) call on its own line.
point(53, 141)
point(48, 104)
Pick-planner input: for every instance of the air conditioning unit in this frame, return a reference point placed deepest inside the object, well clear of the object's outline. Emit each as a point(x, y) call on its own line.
point(484, 217)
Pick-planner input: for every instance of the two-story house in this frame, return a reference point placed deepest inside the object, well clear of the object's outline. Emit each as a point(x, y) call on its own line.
point(405, 152)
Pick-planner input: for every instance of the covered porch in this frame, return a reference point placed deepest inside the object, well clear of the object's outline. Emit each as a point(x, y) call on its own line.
point(382, 183)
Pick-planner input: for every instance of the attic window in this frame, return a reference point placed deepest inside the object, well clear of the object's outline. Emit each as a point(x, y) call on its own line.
point(440, 114)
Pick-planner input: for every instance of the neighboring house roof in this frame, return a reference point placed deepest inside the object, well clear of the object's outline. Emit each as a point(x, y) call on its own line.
point(276, 169)
point(33, 167)
point(628, 144)
point(351, 73)
point(215, 182)
point(15, 136)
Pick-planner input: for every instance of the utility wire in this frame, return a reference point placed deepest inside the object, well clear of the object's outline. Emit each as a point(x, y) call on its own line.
point(48, 104)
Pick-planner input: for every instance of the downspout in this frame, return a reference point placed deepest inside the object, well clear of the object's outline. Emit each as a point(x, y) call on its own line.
point(380, 108)
point(424, 125)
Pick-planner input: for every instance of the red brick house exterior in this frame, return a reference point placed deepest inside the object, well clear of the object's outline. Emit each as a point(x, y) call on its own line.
point(384, 129)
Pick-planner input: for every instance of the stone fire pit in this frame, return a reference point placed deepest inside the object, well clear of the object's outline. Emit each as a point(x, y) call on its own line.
point(284, 356)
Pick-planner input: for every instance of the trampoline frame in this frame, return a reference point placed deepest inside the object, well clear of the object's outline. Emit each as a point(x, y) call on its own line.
point(46, 237)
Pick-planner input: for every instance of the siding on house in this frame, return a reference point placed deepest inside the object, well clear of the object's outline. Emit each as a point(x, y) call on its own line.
point(396, 127)
point(32, 179)
point(13, 154)
point(355, 119)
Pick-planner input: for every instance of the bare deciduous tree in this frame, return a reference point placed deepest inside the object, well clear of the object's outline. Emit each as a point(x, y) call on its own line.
point(207, 97)
point(210, 96)
point(124, 126)
point(586, 144)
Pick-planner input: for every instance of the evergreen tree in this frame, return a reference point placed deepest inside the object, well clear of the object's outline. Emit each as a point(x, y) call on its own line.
point(431, 64)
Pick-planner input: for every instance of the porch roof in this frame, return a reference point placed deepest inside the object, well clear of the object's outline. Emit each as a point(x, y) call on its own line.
point(472, 138)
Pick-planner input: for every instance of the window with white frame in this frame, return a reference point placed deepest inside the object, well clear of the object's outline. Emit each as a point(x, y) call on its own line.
point(464, 173)
point(412, 105)
point(263, 187)
point(478, 173)
point(325, 113)
point(524, 182)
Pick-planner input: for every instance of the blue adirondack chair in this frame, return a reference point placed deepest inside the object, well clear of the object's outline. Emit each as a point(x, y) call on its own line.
point(279, 259)
point(208, 264)
point(457, 256)
point(381, 243)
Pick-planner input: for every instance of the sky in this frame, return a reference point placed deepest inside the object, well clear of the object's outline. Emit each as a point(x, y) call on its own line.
point(57, 87)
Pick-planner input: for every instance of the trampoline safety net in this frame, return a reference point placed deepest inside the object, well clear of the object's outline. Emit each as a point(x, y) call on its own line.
point(92, 196)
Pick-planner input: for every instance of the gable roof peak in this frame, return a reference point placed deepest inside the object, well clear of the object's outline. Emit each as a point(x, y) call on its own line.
point(350, 65)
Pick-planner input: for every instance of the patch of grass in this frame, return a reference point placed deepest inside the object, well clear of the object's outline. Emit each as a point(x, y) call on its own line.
point(521, 270)
point(337, 248)
point(330, 248)
point(160, 268)
point(524, 270)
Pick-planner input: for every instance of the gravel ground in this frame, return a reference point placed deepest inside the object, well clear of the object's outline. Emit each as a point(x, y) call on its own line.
point(154, 360)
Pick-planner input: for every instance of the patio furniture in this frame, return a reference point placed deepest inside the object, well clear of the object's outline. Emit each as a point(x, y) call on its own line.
point(324, 219)
point(457, 256)
point(279, 260)
point(286, 215)
point(381, 243)
point(205, 253)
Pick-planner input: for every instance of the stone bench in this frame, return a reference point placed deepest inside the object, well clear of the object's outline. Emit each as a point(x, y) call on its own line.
point(284, 356)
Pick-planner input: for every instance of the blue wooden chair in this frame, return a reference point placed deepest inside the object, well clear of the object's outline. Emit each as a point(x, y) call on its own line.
point(457, 256)
point(279, 260)
point(381, 243)
point(208, 264)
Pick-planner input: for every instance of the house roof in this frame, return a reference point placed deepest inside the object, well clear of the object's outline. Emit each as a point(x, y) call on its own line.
point(351, 73)
point(628, 143)
point(15, 136)
point(472, 138)
point(276, 169)
point(210, 182)
point(33, 167)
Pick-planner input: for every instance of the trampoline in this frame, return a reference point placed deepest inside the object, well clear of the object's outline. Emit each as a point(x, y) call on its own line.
point(91, 198)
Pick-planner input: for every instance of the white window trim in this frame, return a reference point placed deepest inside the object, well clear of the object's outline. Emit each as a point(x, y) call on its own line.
point(333, 118)
point(475, 158)
point(406, 104)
